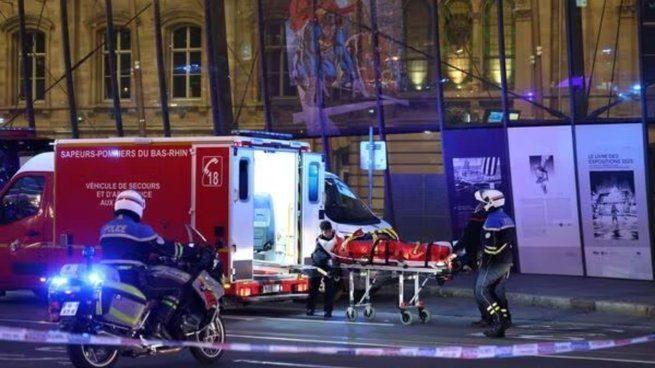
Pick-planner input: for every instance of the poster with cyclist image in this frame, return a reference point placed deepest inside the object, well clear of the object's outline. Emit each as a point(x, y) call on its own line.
point(614, 205)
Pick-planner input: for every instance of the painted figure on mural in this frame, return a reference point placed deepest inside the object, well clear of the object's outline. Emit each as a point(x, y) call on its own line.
point(343, 49)
point(338, 65)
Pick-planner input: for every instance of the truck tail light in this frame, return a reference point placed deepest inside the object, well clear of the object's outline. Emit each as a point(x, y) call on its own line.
point(245, 292)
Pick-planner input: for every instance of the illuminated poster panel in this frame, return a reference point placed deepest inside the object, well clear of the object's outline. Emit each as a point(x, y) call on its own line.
point(613, 201)
point(545, 200)
point(474, 159)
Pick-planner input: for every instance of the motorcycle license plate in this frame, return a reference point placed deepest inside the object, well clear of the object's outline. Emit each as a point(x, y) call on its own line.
point(274, 288)
point(69, 309)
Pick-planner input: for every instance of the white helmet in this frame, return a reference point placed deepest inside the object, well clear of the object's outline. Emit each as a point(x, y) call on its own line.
point(130, 200)
point(491, 198)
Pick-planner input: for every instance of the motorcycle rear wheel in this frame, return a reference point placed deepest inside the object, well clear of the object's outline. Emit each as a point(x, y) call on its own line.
point(88, 356)
point(213, 333)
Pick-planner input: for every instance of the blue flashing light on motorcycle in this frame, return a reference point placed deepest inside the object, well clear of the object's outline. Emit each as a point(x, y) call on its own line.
point(95, 279)
point(103, 298)
point(59, 281)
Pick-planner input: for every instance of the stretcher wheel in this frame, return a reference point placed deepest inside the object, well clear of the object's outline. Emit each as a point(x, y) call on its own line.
point(424, 315)
point(406, 318)
point(351, 314)
point(369, 313)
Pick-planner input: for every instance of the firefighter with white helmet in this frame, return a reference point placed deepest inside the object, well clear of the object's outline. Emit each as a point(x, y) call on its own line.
point(497, 239)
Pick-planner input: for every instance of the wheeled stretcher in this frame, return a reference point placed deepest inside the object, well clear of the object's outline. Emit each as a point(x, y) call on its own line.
point(382, 255)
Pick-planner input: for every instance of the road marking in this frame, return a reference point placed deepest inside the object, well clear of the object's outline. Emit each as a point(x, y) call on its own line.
point(286, 364)
point(27, 321)
point(536, 337)
point(292, 339)
point(449, 341)
point(650, 362)
point(308, 320)
point(240, 318)
point(22, 358)
point(52, 349)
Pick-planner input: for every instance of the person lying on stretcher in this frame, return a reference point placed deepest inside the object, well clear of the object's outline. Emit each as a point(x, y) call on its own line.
point(383, 247)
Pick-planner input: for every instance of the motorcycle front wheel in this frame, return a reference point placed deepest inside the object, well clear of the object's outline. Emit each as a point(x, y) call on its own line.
point(89, 356)
point(214, 333)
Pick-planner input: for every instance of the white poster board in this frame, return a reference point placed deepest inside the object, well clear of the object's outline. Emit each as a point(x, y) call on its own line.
point(613, 201)
point(545, 200)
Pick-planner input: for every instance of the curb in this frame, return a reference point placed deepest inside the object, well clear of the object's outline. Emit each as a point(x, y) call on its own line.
point(555, 302)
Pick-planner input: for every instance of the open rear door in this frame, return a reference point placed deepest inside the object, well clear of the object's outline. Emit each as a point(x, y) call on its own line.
point(313, 187)
point(241, 234)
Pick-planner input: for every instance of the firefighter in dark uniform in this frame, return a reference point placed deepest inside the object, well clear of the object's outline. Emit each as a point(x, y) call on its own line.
point(126, 238)
point(498, 234)
point(323, 270)
point(467, 254)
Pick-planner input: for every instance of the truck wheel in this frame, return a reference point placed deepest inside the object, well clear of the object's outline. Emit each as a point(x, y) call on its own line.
point(87, 356)
point(214, 333)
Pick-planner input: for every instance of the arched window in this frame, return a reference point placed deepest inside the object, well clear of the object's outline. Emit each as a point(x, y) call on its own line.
point(186, 62)
point(123, 44)
point(36, 74)
point(417, 17)
point(277, 63)
point(491, 54)
point(457, 41)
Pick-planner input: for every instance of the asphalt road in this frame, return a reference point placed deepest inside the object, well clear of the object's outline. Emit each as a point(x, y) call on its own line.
point(286, 324)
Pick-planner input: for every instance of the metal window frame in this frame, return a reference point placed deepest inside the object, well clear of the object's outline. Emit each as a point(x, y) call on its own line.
point(489, 12)
point(33, 55)
point(187, 50)
point(120, 53)
point(282, 73)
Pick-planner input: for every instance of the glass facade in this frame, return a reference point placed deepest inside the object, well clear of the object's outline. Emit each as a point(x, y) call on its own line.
point(312, 65)
point(536, 53)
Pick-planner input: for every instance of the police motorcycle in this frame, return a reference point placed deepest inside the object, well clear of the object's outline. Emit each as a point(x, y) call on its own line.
point(91, 299)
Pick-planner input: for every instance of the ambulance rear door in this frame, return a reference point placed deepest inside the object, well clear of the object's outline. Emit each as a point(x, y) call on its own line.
point(211, 200)
point(313, 187)
point(242, 212)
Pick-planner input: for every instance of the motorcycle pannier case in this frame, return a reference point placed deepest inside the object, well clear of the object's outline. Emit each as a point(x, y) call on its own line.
point(122, 304)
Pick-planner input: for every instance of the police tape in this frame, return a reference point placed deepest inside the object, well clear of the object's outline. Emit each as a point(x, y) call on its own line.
point(54, 337)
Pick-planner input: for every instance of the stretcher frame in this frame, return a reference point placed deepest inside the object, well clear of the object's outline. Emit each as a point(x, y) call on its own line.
point(420, 275)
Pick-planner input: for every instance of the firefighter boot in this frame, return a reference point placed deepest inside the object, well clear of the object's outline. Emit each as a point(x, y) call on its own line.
point(506, 318)
point(482, 323)
point(496, 330)
point(498, 327)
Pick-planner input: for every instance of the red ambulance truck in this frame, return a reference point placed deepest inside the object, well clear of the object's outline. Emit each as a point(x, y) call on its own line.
point(57, 202)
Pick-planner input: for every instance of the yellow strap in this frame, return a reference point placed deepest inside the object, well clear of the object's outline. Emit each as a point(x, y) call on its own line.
point(489, 250)
point(122, 316)
point(392, 233)
point(126, 288)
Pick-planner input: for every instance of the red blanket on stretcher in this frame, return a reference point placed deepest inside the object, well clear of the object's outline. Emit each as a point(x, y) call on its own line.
point(384, 248)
